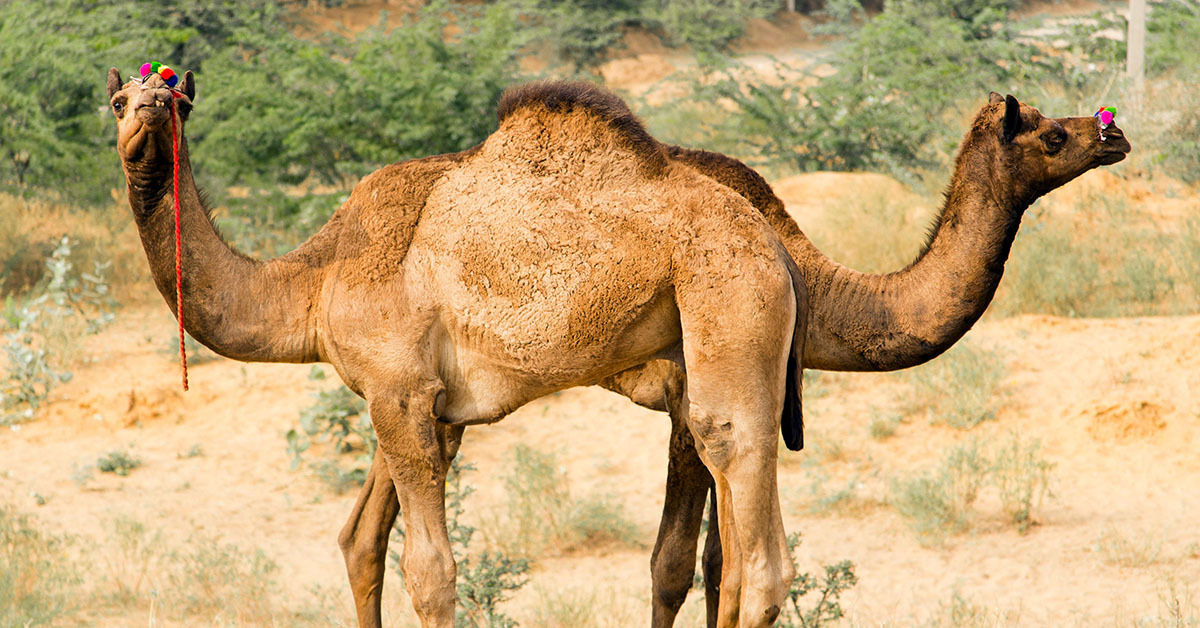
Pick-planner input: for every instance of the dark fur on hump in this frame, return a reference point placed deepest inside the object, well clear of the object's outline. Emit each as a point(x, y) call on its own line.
point(566, 96)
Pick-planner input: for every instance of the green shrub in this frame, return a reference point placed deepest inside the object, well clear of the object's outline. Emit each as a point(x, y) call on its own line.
point(707, 26)
point(961, 388)
point(38, 584)
point(837, 579)
point(119, 462)
point(892, 103)
point(339, 417)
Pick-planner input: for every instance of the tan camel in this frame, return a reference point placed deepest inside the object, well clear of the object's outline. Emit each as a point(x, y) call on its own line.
point(857, 322)
point(448, 291)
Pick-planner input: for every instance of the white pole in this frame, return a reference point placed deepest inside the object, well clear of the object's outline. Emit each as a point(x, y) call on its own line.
point(1135, 60)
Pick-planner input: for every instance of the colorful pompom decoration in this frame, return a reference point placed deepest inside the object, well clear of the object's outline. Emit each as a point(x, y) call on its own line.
point(1106, 116)
point(168, 75)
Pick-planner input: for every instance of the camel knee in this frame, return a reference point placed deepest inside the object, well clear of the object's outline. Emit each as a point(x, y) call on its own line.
point(673, 574)
point(429, 579)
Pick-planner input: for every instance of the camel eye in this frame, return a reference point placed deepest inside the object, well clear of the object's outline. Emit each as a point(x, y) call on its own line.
point(118, 108)
point(1054, 141)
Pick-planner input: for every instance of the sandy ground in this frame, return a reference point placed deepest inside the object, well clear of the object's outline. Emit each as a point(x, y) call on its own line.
point(1113, 402)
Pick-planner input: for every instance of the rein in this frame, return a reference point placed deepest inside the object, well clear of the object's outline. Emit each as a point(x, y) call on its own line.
point(178, 236)
point(171, 79)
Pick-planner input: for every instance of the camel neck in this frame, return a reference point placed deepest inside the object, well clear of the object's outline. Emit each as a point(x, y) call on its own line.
point(238, 307)
point(878, 322)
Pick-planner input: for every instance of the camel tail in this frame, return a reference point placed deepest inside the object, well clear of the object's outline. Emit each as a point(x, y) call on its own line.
point(792, 422)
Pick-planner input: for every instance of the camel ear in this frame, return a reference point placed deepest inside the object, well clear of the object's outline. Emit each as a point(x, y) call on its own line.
point(189, 85)
point(994, 98)
point(114, 82)
point(1012, 118)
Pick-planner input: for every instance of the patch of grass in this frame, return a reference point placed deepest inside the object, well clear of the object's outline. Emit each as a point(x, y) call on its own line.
point(565, 609)
point(962, 612)
point(883, 427)
point(543, 517)
point(195, 451)
point(222, 583)
point(1118, 550)
point(133, 561)
point(38, 584)
point(118, 461)
point(841, 499)
point(1101, 259)
point(938, 503)
point(961, 388)
point(1022, 477)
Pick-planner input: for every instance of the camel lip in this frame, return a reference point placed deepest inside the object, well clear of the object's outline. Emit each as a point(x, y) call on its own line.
point(1110, 157)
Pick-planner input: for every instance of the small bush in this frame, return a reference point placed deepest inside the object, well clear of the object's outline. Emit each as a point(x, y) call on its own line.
point(38, 585)
point(961, 388)
point(1022, 478)
point(544, 517)
point(938, 503)
point(46, 331)
point(837, 579)
point(118, 461)
point(340, 418)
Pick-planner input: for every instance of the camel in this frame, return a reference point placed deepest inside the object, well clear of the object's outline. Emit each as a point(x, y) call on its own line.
point(448, 291)
point(1011, 156)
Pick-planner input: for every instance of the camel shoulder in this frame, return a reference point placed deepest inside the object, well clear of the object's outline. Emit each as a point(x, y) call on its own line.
point(604, 111)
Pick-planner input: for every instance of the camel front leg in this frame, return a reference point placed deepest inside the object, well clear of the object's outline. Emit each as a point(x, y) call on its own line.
point(418, 450)
point(364, 541)
point(673, 563)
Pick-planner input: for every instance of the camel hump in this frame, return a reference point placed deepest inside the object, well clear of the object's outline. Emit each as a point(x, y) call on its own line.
point(566, 97)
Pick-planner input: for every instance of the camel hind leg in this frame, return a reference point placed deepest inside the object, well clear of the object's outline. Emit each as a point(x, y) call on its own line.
point(364, 541)
point(737, 335)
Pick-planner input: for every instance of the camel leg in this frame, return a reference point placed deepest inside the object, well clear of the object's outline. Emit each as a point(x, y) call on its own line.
point(737, 335)
point(418, 452)
point(673, 563)
point(712, 562)
point(364, 541)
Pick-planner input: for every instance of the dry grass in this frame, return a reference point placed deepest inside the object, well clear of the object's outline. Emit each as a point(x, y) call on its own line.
point(30, 229)
point(1120, 550)
point(134, 575)
point(961, 388)
point(543, 518)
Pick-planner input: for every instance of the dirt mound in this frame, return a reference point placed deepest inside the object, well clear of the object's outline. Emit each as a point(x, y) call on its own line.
point(1125, 419)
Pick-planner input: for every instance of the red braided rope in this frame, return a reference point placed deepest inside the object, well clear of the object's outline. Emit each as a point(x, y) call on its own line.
point(178, 239)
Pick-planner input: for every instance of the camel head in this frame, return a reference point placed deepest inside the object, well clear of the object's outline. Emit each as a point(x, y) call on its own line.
point(1041, 153)
point(143, 111)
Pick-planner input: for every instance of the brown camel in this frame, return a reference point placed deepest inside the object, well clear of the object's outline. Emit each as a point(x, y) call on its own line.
point(857, 322)
point(448, 291)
